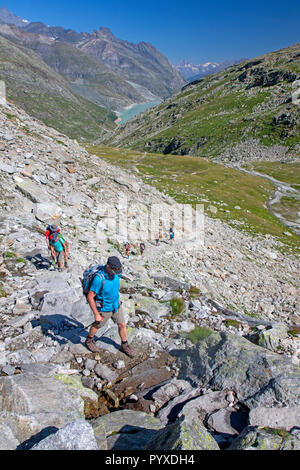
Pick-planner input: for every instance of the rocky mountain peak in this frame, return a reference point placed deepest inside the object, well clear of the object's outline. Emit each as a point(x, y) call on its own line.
point(103, 32)
point(6, 16)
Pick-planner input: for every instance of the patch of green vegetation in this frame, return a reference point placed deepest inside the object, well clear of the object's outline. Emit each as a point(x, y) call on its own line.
point(26, 130)
point(10, 254)
point(177, 305)
point(2, 291)
point(21, 260)
point(198, 334)
point(194, 292)
point(10, 116)
point(270, 133)
point(288, 172)
point(234, 323)
point(278, 432)
point(294, 331)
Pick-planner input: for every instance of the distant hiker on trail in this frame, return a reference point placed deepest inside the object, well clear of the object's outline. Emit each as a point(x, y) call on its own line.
point(127, 249)
point(103, 298)
point(59, 250)
point(51, 230)
point(158, 239)
point(142, 248)
point(172, 235)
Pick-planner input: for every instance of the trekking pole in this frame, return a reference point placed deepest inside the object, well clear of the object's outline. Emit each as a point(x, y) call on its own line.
point(80, 331)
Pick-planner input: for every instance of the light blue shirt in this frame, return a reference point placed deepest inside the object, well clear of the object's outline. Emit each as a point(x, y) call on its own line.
point(107, 291)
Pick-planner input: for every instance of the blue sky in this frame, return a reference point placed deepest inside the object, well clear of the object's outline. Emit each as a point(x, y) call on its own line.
point(199, 31)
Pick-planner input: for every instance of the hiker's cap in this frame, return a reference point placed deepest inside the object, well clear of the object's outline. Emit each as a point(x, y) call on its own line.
point(115, 264)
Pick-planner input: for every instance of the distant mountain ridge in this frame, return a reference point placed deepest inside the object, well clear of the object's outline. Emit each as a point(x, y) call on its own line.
point(138, 63)
point(75, 81)
point(8, 17)
point(195, 71)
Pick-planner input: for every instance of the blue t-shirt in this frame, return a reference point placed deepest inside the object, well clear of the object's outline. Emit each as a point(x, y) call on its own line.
point(107, 291)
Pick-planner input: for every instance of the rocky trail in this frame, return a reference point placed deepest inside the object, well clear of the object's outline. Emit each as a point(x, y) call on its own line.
point(216, 331)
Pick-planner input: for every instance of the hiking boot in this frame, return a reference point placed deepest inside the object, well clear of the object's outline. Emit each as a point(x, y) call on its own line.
point(91, 345)
point(126, 349)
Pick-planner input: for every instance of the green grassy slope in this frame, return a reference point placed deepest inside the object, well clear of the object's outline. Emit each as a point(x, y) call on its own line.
point(44, 94)
point(246, 102)
point(237, 198)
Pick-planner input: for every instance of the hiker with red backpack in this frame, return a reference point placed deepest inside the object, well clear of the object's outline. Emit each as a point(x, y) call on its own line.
point(101, 286)
point(58, 246)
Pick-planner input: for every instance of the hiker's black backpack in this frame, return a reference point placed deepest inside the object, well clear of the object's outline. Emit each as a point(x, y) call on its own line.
point(88, 277)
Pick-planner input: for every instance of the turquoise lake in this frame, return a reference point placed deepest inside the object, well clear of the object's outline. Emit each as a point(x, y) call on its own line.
point(126, 114)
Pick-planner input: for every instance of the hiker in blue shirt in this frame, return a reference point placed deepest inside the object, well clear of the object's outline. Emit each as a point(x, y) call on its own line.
point(59, 250)
point(103, 298)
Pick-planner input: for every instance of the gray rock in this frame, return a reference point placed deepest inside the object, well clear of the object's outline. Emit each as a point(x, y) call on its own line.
point(8, 370)
point(57, 307)
point(105, 373)
point(258, 376)
point(206, 403)
point(227, 421)
point(271, 338)
point(126, 428)
point(31, 190)
point(21, 321)
point(52, 399)
point(7, 168)
point(253, 438)
point(78, 435)
point(7, 439)
point(184, 434)
point(46, 212)
point(169, 391)
point(171, 410)
point(151, 307)
point(90, 364)
point(276, 418)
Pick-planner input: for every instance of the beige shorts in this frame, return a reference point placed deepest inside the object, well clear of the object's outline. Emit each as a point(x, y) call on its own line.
point(60, 257)
point(117, 317)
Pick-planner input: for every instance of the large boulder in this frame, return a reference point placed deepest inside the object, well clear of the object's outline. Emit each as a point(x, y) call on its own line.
point(151, 307)
point(205, 404)
point(276, 418)
point(125, 429)
point(254, 438)
point(271, 338)
point(46, 397)
point(184, 434)
point(31, 190)
point(78, 435)
point(258, 376)
point(47, 212)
